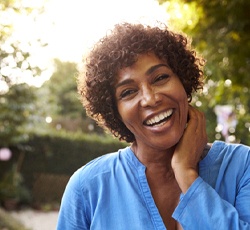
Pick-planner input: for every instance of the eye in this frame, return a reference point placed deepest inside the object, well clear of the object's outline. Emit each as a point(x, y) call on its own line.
point(126, 93)
point(161, 77)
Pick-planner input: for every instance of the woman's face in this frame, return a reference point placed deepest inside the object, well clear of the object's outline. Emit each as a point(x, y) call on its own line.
point(152, 102)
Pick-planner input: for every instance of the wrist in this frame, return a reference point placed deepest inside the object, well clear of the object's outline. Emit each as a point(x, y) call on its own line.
point(185, 178)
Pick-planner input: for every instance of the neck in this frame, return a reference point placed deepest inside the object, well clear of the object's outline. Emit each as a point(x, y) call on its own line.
point(155, 160)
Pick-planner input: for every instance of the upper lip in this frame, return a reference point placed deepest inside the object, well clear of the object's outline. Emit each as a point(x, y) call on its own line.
point(156, 117)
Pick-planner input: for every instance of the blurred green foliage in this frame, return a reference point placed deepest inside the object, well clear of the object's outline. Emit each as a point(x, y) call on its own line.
point(60, 100)
point(69, 150)
point(59, 153)
point(17, 99)
point(12, 187)
point(62, 90)
point(17, 107)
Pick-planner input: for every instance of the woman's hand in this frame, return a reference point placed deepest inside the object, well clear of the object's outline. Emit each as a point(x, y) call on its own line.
point(189, 150)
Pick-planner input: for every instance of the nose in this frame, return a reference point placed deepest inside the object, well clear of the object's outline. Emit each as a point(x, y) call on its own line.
point(149, 97)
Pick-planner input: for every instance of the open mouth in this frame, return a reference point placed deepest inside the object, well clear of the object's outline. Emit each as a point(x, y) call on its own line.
point(159, 119)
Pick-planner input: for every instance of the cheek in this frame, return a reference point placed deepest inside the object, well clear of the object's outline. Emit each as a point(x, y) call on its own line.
point(128, 114)
point(124, 112)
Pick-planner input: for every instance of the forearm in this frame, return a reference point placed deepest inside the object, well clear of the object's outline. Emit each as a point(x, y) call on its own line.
point(202, 208)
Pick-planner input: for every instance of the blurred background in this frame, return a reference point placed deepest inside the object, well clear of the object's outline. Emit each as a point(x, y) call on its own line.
point(45, 134)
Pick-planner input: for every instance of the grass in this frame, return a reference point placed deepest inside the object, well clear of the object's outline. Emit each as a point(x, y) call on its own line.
point(7, 222)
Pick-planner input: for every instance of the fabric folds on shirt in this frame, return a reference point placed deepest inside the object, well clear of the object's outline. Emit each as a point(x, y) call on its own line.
point(112, 193)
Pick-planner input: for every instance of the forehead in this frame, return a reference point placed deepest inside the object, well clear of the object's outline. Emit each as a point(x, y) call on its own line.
point(145, 65)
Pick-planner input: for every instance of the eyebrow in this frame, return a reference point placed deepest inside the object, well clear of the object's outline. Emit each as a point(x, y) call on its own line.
point(153, 68)
point(125, 82)
point(148, 72)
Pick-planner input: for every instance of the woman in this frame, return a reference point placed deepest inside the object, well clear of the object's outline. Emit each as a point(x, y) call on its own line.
point(137, 83)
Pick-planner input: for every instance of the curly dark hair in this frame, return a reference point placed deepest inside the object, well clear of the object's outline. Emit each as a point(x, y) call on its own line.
point(120, 49)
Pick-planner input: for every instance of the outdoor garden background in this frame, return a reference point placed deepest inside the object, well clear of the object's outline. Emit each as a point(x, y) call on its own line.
point(45, 134)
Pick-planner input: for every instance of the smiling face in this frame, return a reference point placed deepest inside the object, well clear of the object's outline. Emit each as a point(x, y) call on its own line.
point(152, 103)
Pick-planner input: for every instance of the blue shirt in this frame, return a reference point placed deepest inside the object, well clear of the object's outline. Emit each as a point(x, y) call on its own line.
point(112, 193)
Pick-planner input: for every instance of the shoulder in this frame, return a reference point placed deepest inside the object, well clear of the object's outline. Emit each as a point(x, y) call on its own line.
point(230, 149)
point(231, 153)
point(226, 163)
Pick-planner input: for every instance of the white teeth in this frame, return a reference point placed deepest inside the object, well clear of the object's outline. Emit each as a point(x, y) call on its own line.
point(159, 117)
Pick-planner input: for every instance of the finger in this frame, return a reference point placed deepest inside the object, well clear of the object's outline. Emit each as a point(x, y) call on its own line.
point(197, 122)
point(193, 121)
point(197, 117)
